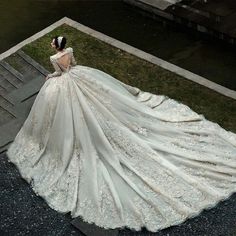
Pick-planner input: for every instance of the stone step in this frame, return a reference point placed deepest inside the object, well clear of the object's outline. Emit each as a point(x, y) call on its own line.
point(9, 129)
point(4, 102)
point(26, 66)
point(8, 132)
point(4, 148)
point(160, 4)
point(196, 7)
point(27, 70)
point(6, 107)
point(21, 78)
point(215, 18)
point(32, 62)
point(14, 76)
point(26, 91)
point(5, 115)
point(10, 79)
point(8, 76)
point(2, 90)
point(6, 85)
point(198, 11)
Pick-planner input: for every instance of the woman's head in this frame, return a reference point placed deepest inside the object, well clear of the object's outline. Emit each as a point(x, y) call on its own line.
point(58, 42)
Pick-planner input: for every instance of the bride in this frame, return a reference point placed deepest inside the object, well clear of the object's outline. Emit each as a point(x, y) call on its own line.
point(118, 156)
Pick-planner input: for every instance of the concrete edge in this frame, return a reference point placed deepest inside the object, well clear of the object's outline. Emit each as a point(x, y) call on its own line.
point(128, 48)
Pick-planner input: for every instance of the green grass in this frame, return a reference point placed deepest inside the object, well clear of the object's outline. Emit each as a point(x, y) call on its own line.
point(132, 70)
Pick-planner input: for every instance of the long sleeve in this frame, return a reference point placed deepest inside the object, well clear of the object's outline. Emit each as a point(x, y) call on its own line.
point(73, 61)
point(57, 71)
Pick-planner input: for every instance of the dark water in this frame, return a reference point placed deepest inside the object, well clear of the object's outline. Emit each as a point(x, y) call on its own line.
point(207, 57)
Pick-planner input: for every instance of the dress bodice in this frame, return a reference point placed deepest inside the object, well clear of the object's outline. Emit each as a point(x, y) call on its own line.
point(62, 62)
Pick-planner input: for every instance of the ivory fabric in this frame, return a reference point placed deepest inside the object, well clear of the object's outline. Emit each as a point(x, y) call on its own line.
point(118, 156)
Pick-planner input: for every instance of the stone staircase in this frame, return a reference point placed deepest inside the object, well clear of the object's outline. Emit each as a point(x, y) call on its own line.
point(214, 18)
point(21, 78)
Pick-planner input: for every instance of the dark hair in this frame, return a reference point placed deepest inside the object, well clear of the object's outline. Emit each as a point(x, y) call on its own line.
point(63, 43)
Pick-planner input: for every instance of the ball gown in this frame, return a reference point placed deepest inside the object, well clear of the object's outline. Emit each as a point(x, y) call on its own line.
point(117, 156)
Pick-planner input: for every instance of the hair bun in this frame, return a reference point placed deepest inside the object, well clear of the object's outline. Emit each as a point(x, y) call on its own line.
point(60, 42)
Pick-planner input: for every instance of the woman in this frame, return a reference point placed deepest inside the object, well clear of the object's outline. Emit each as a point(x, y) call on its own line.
point(117, 156)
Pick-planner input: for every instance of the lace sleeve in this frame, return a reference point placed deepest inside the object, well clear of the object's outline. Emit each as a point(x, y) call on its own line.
point(73, 61)
point(57, 71)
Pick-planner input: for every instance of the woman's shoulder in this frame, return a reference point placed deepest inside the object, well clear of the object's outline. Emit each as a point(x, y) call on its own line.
point(55, 56)
point(70, 49)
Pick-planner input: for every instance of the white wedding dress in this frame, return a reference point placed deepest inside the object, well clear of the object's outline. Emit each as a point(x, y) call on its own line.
point(118, 156)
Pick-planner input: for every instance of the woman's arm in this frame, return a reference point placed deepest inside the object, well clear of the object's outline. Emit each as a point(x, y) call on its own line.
point(73, 61)
point(57, 71)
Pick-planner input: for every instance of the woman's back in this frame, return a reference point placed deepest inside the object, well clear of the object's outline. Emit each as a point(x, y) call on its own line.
point(61, 61)
point(65, 59)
